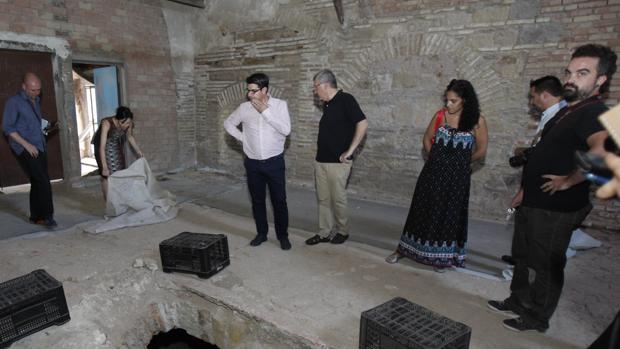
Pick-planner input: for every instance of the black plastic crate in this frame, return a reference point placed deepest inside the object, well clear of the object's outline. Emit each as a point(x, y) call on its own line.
point(400, 324)
point(200, 254)
point(29, 304)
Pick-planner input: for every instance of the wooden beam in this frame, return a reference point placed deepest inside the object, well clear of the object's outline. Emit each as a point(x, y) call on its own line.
point(194, 3)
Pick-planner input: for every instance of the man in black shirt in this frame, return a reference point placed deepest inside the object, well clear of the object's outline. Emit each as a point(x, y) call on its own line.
point(555, 194)
point(341, 129)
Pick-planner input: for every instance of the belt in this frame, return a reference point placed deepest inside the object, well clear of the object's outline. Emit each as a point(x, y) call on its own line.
point(273, 158)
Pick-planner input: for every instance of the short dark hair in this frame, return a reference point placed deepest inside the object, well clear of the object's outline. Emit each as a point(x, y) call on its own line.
point(606, 61)
point(548, 83)
point(471, 108)
point(123, 113)
point(260, 79)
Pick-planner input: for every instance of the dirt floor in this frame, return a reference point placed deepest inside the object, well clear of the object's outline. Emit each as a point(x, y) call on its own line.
point(312, 293)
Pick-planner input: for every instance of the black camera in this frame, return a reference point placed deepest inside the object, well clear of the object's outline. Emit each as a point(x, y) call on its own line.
point(50, 128)
point(520, 158)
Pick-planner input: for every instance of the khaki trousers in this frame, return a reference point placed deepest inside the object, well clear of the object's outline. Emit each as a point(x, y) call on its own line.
point(331, 193)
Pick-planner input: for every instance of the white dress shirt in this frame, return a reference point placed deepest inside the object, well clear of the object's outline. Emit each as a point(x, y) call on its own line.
point(263, 134)
point(549, 113)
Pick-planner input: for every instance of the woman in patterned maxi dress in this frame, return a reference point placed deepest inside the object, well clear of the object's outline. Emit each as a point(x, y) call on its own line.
point(435, 232)
point(109, 144)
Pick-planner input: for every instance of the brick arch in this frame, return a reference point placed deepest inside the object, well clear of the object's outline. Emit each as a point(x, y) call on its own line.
point(470, 66)
point(235, 94)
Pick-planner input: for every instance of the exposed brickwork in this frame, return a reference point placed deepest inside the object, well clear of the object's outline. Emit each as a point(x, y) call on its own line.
point(186, 118)
point(396, 57)
point(133, 32)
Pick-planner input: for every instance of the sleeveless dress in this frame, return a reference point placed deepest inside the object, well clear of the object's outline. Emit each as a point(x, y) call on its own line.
point(435, 232)
point(115, 143)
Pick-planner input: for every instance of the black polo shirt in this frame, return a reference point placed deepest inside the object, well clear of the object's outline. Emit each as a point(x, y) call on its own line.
point(566, 133)
point(337, 126)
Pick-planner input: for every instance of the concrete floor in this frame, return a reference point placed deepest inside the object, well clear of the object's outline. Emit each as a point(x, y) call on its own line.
point(316, 293)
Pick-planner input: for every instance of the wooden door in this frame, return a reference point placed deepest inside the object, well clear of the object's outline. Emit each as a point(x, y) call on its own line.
point(13, 65)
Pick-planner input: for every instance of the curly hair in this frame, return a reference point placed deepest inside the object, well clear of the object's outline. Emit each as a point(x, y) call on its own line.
point(471, 108)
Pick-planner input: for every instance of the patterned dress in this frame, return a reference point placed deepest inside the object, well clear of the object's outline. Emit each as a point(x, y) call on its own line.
point(435, 232)
point(114, 155)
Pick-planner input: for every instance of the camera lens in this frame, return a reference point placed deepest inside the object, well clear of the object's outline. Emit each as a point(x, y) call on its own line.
point(516, 161)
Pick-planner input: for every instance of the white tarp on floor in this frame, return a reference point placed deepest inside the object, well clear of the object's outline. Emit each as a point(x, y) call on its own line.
point(135, 198)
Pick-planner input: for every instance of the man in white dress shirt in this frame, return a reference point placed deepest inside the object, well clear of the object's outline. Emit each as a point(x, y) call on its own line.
point(265, 123)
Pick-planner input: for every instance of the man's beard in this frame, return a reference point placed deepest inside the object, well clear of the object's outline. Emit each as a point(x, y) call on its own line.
point(572, 93)
point(535, 112)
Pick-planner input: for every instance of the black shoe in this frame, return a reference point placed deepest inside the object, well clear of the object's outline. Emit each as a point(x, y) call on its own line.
point(47, 222)
point(339, 238)
point(259, 239)
point(503, 307)
point(285, 244)
point(521, 325)
point(50, 222)
point(317, 239)
point(508, 259)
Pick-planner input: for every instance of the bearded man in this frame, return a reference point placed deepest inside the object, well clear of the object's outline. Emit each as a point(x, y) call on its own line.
point(556, 197)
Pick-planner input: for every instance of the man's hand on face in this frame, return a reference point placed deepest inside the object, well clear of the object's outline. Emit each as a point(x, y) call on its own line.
point(258, 105)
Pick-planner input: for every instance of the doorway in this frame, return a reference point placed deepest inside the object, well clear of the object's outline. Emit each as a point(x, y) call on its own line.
point(13, 65)
point(96, 87)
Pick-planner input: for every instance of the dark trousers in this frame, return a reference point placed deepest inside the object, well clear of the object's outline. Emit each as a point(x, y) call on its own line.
point(539, 243)
point(268, 173)
point(41, 205)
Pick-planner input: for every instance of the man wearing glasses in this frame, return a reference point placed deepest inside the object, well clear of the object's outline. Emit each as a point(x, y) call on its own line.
point(265, 123)
point(341, 129)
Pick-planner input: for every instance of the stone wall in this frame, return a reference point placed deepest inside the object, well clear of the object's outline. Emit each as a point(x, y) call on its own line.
point(396, 57)
point(184, 70)
point(131, 33)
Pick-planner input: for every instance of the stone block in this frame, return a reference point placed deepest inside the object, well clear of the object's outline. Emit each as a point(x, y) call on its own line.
point(506, 37)
point(381, 83)
point(457, 19)
point(484, 39)
point(510, 66)
point(524, 9)
point(490, 14)
point(541, 33)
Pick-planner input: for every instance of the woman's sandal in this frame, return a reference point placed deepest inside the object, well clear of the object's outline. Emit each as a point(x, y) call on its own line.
point(393, 258)
point(440, 269)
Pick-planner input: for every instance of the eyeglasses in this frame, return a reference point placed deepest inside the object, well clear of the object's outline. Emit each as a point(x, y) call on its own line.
point(249, 90)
